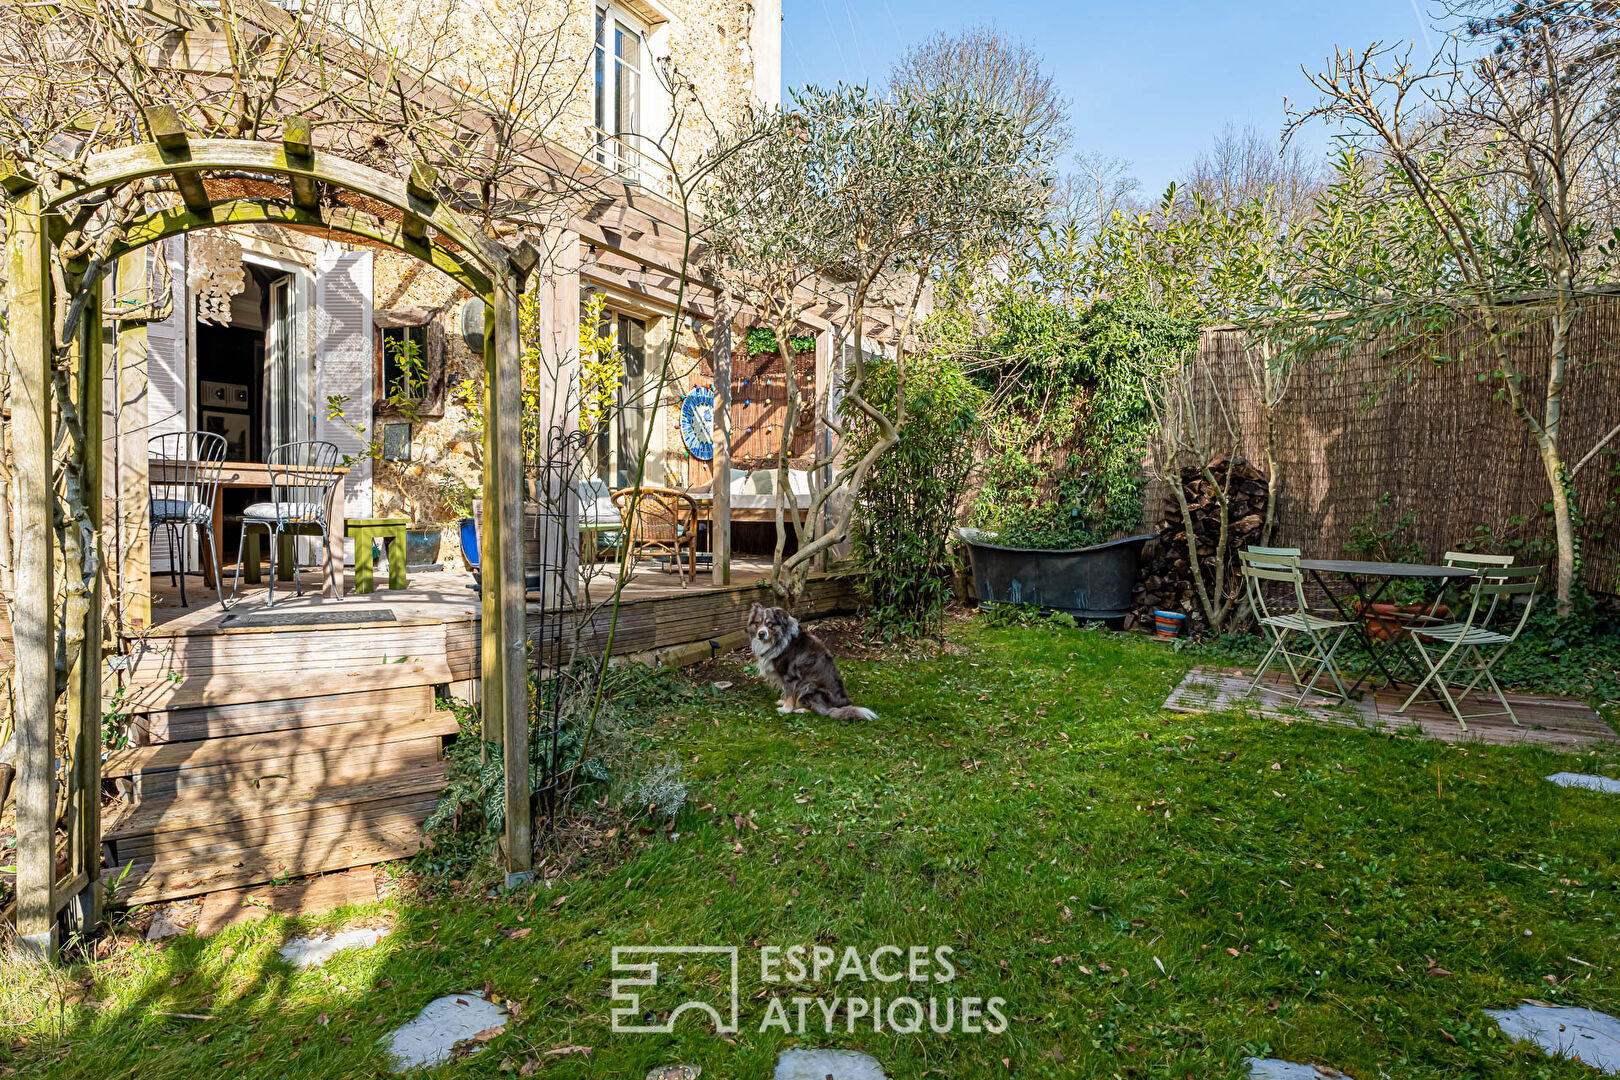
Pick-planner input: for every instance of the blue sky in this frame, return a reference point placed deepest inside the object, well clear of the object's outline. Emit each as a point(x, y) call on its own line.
point(1149, 82)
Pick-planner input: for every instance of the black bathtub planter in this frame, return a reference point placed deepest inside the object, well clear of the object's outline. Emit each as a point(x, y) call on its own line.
point(1093, 584)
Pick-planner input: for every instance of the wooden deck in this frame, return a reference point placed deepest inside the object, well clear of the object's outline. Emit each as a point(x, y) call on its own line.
point(1562, 724)
point(436, 595)
point(272, 743)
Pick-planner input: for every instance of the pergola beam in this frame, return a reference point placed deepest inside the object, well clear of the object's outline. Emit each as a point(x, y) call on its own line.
point(298, 143)
point(111, 168)
point(175, 146)
point(339, 219)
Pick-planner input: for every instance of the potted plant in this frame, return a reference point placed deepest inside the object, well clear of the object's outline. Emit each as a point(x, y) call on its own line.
point(388, 439)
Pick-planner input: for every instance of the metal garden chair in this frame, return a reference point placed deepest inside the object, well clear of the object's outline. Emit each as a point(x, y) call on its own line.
point(301, 477)
point(1474, 642)
point(1284, 554)
point(1297, 634)
point(179, 504)
point(1468, 560)
point(1474, 560)
point(1281, 556)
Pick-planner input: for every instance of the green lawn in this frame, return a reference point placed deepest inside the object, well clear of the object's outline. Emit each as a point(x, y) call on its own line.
point(1152, 894)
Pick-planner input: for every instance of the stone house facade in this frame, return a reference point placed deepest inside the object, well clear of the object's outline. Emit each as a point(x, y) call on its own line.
point(278, 335)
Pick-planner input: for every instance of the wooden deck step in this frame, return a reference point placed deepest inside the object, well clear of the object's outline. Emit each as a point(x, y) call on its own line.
point(199, 808)
point(273, 681)
point(312, 828)
point(258, 717)
point(148, 881)
point(333, 739)
point(333, 766)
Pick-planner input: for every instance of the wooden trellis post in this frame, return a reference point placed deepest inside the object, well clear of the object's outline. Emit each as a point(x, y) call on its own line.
point(505, 691)
point(31, 328)
point(720, 526)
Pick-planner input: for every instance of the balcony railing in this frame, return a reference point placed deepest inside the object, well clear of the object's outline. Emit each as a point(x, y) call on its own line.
point(624, 159)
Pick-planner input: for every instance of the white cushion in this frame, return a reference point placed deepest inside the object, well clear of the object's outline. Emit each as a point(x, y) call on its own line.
point(283, 511)
point(182, 510)
point(601, 514)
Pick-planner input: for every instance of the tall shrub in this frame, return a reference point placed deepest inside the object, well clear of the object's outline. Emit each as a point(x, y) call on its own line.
point(905, 511)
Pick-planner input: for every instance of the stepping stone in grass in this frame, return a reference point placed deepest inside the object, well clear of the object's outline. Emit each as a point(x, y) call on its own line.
point(316, 950)
point(1277, 1069)
point(432, 1037)
point(1587, 781)
point(1587, 1036)
point(173, 919)
point(825, 1064)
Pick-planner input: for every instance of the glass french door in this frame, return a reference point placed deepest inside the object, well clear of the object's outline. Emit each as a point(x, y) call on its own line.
point(279, 354)
point(618, 446)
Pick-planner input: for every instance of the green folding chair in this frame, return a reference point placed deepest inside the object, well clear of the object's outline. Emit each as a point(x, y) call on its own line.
point(1278, 556)
point(1474, 560)
point(1295, 635)
point(1472, 646)
point(1285, 555)
point(1467, 560)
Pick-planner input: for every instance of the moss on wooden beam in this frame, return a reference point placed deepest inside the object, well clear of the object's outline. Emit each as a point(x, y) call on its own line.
point(175, 145)
point(344, 220)
point(298, 143)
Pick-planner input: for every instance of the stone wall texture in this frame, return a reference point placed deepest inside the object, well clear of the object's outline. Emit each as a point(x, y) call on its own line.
point(700, 76)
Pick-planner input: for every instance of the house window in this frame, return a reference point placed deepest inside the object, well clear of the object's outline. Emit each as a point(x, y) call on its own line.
point(621, 49)
point(409, 364)
point(404, 360)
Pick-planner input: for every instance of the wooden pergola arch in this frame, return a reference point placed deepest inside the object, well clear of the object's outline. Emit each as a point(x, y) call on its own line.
point(425, 228)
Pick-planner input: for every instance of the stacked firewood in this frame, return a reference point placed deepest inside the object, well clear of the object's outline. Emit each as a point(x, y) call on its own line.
point(1165, 580)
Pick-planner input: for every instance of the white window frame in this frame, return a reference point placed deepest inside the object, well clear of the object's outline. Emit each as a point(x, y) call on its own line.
point(615, 149)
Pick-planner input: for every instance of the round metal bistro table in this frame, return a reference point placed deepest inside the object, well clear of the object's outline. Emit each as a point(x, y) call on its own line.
point(1368, 582)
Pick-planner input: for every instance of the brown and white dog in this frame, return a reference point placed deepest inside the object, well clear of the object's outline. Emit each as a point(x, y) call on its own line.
point(795, 662)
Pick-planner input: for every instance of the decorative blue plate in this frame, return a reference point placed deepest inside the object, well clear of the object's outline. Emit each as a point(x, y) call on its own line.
point(697, 422)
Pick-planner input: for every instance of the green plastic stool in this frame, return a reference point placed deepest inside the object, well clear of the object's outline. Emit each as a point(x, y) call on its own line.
point(253, 555)
point(364, 531)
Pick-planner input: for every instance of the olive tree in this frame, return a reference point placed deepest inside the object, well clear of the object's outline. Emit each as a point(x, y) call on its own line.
point(843, 204)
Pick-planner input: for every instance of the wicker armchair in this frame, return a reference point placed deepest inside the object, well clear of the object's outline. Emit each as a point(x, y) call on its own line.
point(664, 522)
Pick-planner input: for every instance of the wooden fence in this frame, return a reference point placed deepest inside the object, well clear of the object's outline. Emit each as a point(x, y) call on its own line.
point(1385, 430)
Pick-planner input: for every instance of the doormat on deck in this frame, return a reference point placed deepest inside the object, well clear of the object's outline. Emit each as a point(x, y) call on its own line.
point(306, 618)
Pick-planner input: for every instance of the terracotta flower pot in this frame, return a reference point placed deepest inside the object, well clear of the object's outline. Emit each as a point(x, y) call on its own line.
point(1390, 622)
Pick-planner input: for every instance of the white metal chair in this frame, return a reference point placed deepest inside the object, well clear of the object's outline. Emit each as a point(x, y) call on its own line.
point(301, 477)
point(179, 504)
point(1496, 590)
point(1317, 638)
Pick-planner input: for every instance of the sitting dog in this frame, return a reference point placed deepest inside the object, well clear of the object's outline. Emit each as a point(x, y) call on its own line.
point(800, 666)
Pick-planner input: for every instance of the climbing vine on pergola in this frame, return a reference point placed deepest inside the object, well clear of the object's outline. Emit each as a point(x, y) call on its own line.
point(54, 301)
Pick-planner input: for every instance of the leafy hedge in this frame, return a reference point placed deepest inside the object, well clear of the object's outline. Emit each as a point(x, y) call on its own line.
point(1063, 461)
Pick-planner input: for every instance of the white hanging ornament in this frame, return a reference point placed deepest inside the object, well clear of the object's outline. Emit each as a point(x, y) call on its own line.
point(214, 272)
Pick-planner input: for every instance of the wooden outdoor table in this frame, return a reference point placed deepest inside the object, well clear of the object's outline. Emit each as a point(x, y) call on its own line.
point(256, 474)
point(1369, 581)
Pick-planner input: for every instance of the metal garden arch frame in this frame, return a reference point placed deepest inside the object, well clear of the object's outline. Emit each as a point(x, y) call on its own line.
point(491, 271)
